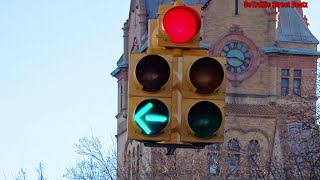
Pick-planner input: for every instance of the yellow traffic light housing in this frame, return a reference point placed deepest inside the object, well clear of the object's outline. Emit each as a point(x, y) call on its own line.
point(149, 111)
point(151, 74)
point(205, 77)
point(176, 91)
point(203, 101)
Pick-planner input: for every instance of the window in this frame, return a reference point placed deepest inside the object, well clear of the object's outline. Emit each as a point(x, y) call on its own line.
point(214, 147)
point(129, 165)
point(138, 161)
point(253, 149)
point(284, 82)
point(133, 166)
point(296, 82)
point(121, 97)
point(213, 159)
point(296, 135)
point(213, 163)
point(234, 156)
point(285, 72)
point(294, 128)
point(236, 9)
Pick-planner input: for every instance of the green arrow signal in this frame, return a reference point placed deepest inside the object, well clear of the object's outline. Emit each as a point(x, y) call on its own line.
point(148, 119)
point(155, 118)
point(140, 122)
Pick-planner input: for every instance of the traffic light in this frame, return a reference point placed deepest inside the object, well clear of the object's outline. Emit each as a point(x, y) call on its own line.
point(149, 110)
point(176, 91)
point(179, 26)
point(203, 92)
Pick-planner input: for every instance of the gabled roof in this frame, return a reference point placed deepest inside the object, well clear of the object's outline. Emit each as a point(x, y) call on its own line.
point(121, 63)
point(120, 60)
point(292, 28)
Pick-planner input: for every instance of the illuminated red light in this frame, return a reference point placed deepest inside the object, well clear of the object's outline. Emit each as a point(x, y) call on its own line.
point(181, 23)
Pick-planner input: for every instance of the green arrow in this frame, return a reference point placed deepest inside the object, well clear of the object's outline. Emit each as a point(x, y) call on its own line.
point(155, 118)
point(139, 114)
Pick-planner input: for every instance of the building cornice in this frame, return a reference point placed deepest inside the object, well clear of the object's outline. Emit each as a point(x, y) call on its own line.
point(291, 51)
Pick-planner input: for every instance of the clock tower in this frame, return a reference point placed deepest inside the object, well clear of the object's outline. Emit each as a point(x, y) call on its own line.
point(271, 55)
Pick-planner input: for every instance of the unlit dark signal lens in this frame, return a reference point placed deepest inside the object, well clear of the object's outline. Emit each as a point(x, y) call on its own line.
point(206, 75)
point(152, 72)
point(204, 118)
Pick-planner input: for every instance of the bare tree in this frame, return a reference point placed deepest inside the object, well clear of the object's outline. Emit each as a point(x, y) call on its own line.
point(40, 171)
point(22, 175)
point(95, 163)
point(300, 162)
point(4, 175)
point(301, 159)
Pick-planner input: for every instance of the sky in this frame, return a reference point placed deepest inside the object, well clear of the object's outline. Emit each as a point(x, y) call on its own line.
point(55, 85)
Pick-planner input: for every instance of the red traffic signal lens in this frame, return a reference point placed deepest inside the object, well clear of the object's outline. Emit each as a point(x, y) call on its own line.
point(181, 23)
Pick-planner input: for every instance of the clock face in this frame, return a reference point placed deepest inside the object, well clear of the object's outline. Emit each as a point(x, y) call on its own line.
point(238, 57)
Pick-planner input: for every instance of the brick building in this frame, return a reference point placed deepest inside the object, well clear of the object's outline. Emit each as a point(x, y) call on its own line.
point(282, 55)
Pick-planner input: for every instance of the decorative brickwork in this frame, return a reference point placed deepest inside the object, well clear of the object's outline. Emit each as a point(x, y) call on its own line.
point(236, 29)
point(251, 109)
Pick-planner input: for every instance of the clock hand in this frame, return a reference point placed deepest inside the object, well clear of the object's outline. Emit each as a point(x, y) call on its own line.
point(236, 58)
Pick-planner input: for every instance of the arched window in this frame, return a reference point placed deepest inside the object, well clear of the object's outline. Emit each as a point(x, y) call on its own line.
point(253, 149)
point(234, 156)
point(138, 161)
point(133, 165)
point(129, 165)
point(213, 159)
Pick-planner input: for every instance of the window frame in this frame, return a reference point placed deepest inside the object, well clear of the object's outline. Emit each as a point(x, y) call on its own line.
point(213, 159)
point(253, 151)
point(297, 78)
point(234, 156)
point(284, 91)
